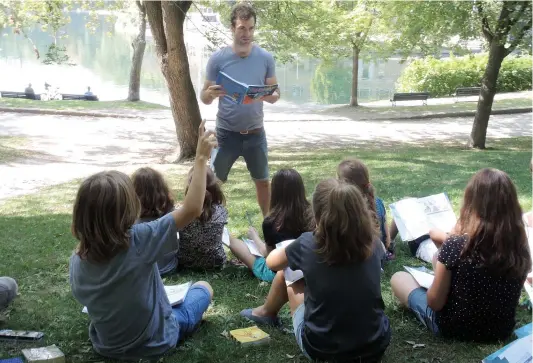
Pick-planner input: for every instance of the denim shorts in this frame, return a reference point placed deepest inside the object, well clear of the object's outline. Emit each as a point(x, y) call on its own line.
point(298, 324)
point(189, 313)
point(252, 147)
point(261, 270)
point(418, 303)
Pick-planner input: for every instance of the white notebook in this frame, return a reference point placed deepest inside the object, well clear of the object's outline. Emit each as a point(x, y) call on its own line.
point(175, 293)
point(424, 279)
point(291, 276)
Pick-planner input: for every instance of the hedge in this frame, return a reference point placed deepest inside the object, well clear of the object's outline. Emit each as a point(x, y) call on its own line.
point(440, 77)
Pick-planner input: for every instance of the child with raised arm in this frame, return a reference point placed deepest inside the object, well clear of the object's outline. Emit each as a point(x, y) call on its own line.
point(337, 308)
point(201, 245)
point(156, 201)
point(480, 268)
point(114, 269)
point(290, 215)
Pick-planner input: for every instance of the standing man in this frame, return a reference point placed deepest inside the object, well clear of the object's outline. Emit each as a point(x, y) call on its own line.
point(239, 128)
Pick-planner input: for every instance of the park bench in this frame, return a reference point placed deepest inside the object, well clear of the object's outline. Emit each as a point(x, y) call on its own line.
point(419, 96)
point(10, 94)
point(466, 91)
point(67, 96)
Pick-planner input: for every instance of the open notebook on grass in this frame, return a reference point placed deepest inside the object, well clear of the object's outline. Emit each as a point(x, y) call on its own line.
point(175, 293)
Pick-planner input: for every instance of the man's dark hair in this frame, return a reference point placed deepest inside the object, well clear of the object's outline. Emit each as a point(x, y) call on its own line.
point(243, 11)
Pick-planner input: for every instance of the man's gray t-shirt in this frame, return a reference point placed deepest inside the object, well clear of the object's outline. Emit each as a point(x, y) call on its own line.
point(130, 315)
point(252, 70)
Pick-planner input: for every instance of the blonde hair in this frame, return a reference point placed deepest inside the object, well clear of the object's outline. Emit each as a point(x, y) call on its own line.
point(345, 230)
point(106, 207)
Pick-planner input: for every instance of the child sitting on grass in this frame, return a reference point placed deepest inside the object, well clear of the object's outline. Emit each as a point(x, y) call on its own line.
point(156, 201)
point(480, 267)
point(201, 241)
point(290, 215)
point(337, 313)
point(114, 269)
point(355, 172)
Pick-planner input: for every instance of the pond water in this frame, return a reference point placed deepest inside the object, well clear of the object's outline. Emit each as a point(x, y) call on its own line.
point(103, 58)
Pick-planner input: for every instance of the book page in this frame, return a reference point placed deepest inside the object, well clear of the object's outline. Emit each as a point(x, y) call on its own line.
point(423, 278)
point(252, 247)
point(291, 276)
point(410, 218)
point(176, 293)
point(439, 212)
point(225, 237)
point(519, 352)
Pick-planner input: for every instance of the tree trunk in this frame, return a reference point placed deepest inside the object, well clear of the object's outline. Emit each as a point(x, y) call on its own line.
point(139, 45)
point(166, 20)
point(355, 76)
point(478, 135)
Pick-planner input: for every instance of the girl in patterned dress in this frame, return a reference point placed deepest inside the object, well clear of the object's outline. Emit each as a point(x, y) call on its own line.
point(201, 241)
point(480, 267)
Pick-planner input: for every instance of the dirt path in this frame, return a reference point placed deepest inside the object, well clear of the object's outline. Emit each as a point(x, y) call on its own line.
point(74, 147)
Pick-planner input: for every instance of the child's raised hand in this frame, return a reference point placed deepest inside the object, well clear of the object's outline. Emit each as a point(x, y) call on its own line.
point(206, 141)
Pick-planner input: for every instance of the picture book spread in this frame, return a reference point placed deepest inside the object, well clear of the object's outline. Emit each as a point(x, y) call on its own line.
point(241, 93)
point(250, 336)
point(414, 217)
point(175, 293)
point(422, 275)
point(291, 276)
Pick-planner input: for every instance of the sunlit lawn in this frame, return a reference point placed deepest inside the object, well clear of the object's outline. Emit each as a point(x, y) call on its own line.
point(36, 243)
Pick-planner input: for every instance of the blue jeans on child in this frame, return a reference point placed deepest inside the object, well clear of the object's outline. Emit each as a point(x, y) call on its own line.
point(189, 313)
point(298, 324)
point(418, 303)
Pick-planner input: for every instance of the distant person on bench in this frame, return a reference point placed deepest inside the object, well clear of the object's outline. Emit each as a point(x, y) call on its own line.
point(88, 93)
point(30, 93)
point(8, 291)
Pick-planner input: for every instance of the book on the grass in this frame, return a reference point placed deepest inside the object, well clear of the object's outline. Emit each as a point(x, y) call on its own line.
point(250, 336)
point(421, 275)
point(175, 293)
point(291, 276)
point(518, 351)
point(242, 93)
point(414, 217)
point(50, 354)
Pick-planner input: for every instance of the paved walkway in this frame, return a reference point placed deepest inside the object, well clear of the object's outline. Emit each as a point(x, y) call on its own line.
point(74, 147)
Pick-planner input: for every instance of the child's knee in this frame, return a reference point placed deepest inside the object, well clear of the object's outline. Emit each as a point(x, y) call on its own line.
point(397, 278)
point(206, 285)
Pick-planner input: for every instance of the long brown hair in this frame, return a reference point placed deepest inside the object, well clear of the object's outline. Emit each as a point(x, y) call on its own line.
point(345, 231)
point(290, 211)
point(213, 194)
point(354, 171)
point(491, 218)
point(106, 207)
point(153, 192)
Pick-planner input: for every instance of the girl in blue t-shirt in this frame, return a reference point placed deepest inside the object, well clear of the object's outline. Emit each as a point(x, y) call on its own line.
point(355, 172)
point(114, 269)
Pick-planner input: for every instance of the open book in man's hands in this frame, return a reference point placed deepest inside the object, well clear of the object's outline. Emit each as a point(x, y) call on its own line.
point(414, 217)
point(291, 276)
point(241, 93)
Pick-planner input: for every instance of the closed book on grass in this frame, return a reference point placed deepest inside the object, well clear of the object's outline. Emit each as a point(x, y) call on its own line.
point(50, 354)
point(250, 336)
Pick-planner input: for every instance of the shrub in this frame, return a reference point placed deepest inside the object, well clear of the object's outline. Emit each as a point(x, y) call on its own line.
point(440, 77)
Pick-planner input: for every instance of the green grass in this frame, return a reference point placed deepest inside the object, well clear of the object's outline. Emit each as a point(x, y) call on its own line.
point(80, 105)
point(36, 245)
point(401, 110)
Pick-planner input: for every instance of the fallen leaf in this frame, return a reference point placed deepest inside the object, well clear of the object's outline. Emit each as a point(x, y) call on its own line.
point(290, 356)
point(225, 334)
point(263, 283)
point(419, 346)
point(410, 342)
point(250, 295)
